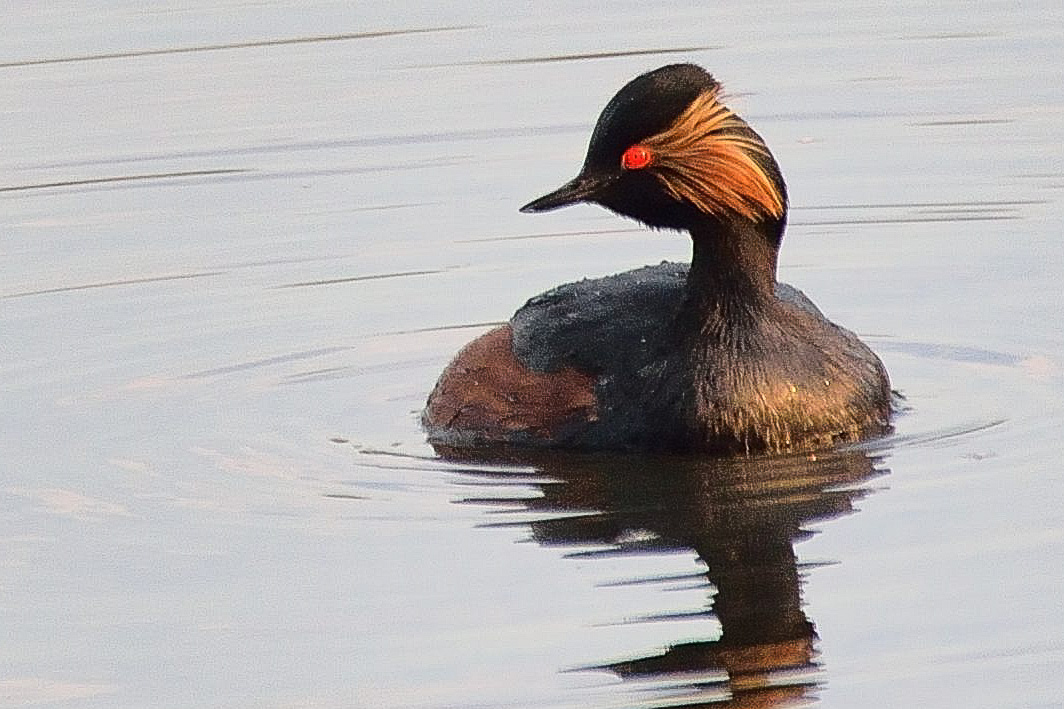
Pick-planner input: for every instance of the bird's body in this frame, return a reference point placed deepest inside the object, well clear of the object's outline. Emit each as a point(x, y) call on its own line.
point(715, 356)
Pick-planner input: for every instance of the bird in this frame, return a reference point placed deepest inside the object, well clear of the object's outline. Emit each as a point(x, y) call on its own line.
point(711, 357)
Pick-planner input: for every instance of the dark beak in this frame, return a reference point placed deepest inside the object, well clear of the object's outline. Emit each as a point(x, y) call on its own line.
point(582, 188)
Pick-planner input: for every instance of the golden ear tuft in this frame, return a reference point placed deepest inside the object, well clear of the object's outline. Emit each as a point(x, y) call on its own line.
point(710, 158)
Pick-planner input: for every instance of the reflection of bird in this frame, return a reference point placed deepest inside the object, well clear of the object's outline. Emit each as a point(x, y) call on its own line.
point(742, 516)
point(714, 357)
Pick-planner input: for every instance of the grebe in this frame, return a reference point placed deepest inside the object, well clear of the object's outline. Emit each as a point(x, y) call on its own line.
point(712, 357)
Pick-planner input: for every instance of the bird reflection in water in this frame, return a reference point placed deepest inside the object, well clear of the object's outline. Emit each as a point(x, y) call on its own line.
point(742, 516)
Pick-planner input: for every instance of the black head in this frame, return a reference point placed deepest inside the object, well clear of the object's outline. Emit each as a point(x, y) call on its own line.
point(667, 153)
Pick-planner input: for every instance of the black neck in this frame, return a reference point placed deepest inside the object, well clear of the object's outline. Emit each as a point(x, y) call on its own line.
point(733, 273)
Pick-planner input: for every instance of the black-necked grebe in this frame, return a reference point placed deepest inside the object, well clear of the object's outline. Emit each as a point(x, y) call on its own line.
point(715, 356)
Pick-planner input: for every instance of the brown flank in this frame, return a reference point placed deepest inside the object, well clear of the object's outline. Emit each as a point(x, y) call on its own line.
point(486, 390)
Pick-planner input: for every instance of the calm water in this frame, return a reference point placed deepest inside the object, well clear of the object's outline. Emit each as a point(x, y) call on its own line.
point(240, 240)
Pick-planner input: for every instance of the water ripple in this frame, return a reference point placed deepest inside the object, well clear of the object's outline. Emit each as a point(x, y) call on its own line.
point(227, 46)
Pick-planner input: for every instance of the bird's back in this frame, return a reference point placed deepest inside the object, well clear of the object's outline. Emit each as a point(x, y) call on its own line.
point(798, 381)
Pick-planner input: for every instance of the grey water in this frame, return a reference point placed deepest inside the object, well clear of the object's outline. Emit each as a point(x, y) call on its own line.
point(240, 240)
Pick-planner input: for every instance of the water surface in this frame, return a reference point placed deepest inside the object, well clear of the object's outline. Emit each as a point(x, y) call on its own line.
point(240, 241)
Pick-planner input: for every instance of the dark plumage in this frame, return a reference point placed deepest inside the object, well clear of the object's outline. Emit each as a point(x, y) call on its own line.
point(716, 356)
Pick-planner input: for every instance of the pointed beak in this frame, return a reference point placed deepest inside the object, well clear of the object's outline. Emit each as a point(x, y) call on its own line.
point(582, 188)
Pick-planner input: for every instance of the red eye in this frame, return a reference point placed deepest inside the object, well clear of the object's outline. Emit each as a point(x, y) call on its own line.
point(635, 158)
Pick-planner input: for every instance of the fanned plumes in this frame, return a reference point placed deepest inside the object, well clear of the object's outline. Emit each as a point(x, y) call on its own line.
point(710, 158)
